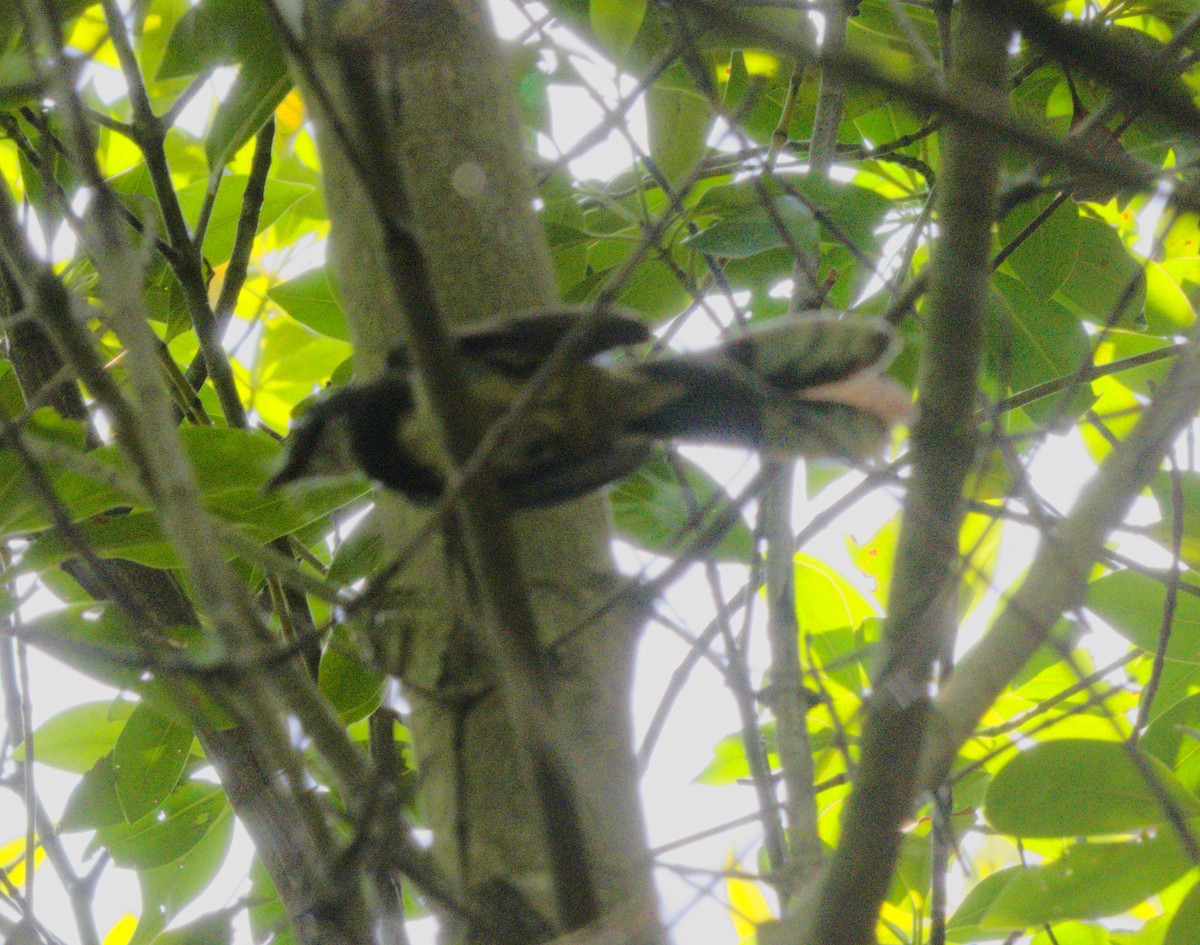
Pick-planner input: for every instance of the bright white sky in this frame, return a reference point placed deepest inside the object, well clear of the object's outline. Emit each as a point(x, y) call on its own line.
point(675, 807)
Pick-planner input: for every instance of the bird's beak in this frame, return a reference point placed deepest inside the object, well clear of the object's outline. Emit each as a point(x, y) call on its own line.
point(289, 473)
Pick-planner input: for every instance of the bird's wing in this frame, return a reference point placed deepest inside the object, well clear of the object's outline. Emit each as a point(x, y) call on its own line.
point(521, 342)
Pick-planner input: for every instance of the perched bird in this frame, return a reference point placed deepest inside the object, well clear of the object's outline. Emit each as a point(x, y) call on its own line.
point(806, 385)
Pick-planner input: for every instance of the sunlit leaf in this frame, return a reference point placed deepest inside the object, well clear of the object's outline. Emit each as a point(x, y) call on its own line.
point(616, 22)
point(1185, 925)
point(1040, 793)
point(78, 737)
point(747, 905)
point(1089, 881)
point(311, 299)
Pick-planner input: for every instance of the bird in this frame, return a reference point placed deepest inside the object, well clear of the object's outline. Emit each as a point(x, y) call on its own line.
point(807, 385)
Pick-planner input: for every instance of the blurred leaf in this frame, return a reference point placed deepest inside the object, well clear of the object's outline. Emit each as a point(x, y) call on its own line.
point(213, 929)
point(757, 229)
point(825, 600)
point(190, 814)
point(1168, 309)
point(747, 905)
point(1105, 280)
point(616, 23)
point(268, 918)
point(729, 762)
point(855, 211)
point(1133, 604)
point(360, 554)
point(166, 890)
point(1072, 933)
point(255, 95)
point(1116, 411)
point(655, 506)
point(1041, 341)
point(220, 32)
point(94, 802)
point(874, 557)
point(1090, 880)
point(311, 299)
point(1118, 345)
point(1045, 258)
point(1040, 793)
point(1189, 512)
point(227, 209)
point(148, 761)
point(78, 737)
point(1172, 740)
point(1185, 926)
point(133, 537)
point(353, 688)
point(96, 639)
point(678, 121)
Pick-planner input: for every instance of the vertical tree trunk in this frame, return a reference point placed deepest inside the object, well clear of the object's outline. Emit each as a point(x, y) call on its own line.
point(452, 137)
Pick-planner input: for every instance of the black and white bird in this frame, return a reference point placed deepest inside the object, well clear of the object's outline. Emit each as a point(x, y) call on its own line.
point(807, 385)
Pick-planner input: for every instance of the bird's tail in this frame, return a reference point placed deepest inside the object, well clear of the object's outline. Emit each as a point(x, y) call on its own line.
point(805, 385)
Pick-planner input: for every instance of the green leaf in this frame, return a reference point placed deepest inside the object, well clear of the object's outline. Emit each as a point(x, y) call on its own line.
point(678, 121)
point(1170, 739)
point(227, 209)
point(874, 557)
point(311, 299)
point(825, 600)
point(855, 211)
point(78, 737)
point(192, 811)
point(1041, 341)
point(133, 537)
point(1144, 380)
point(360, 554)
point(1102, 277)
point(21, 510)
point(93, 803)
point(353, 688)
point(268, 917)
point(1189, 483)
point(1169, 311)
point(1043, 793)
point(1133, 604)
point(213, 929)
point(149, 759)
point(219, 32)
point(654, 289)
point(231, 466)
point(616, 23)
point(1074, 933)
point(963, 925)
point(765, 225)
point(255, 95)
point(655, 506)
point(1044, 260)
point(1185, 925)
point(166, 890)
point(729, 762)
point(1089, 881)
point(96, 639)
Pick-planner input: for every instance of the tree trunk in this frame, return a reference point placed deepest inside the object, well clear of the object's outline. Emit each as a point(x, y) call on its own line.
point(452, 140)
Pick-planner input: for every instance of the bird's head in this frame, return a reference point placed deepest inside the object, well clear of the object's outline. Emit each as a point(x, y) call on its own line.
point(321, 444)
